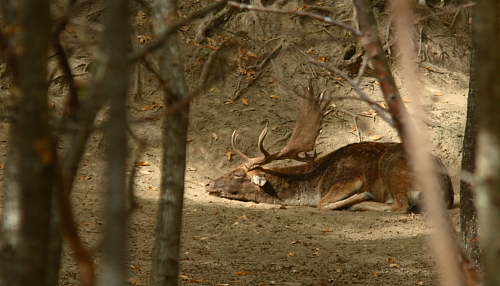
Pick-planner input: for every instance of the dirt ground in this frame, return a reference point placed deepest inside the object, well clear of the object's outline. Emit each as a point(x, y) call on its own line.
point(235, 243)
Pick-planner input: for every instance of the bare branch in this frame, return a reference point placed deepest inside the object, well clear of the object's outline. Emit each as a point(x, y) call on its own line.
point(158, 41)
point(381, 112)
point(301, 13)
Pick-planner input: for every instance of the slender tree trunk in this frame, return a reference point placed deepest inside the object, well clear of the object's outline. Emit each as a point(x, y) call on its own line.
point(166, 252)
point(486, 38)
point(31, 161)
point(443, 242)
point(468, 217)
point(114, 49)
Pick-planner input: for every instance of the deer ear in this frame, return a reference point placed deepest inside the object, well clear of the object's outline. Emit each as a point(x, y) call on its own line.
point(259, 180)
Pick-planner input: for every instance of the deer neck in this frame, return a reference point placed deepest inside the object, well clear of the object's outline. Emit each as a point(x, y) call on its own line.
point(295, 185)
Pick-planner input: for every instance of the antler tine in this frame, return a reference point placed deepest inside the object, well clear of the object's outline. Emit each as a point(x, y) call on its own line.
point(252, 163)
point(324, 103)
point(307, 127)
point(262, 136)
point(236, 150)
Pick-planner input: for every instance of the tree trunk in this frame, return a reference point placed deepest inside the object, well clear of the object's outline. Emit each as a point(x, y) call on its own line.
point(486, 38)
point(443, 242)
point(31, 161)
point(114, 49)
point(468, 217)
point(166, 251)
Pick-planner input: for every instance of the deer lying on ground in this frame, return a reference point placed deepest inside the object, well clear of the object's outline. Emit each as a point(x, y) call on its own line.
point(360, 176)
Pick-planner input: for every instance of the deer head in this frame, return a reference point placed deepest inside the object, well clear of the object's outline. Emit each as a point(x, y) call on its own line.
point(240, 184)
point(250, 181)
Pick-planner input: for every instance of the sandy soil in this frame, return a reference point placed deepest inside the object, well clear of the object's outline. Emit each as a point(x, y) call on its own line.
point(234, 243)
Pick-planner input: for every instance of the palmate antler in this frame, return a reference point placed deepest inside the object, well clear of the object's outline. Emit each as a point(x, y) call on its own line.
point(305, 135)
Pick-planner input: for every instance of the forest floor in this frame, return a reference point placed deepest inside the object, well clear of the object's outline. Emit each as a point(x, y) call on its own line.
point(242, 243)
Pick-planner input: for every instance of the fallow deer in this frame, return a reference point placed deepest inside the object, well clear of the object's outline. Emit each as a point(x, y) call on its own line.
point(360, 176)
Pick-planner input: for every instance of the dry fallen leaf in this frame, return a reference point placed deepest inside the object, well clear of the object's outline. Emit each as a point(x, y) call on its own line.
point(244, 101)
point(141, 19)
point(322, 59)
point(252, 55)
point(144, 39)
point(229, 155)
point(271, 80)
point(275, 96)
point(375, 137)
point(310, 51)
point(133, 281)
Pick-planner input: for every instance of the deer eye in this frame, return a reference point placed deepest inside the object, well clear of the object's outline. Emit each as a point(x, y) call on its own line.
point(237, 176)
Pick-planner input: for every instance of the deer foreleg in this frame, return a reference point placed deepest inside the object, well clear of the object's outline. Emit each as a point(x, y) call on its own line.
point(350, 201)
point(342, 195)
point(372, 206)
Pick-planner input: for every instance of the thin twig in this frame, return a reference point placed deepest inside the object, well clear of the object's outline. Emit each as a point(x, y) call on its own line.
point(433, 15)
point(278, 78)
point(207, 67)
point(354, 117)
point(301, 13)
point(313, 72)
point(338, 276)
point(362, 69)
point(381, 112)
point(210, 22)
point(238, 93)
point(132, 202)
point(158, 41)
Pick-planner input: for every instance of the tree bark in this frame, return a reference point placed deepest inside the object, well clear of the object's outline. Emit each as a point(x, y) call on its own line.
point(114, 49)
point(31, 161)
point(167, 245)
point(486, 38)
point(468, 216)
point(444, 244)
